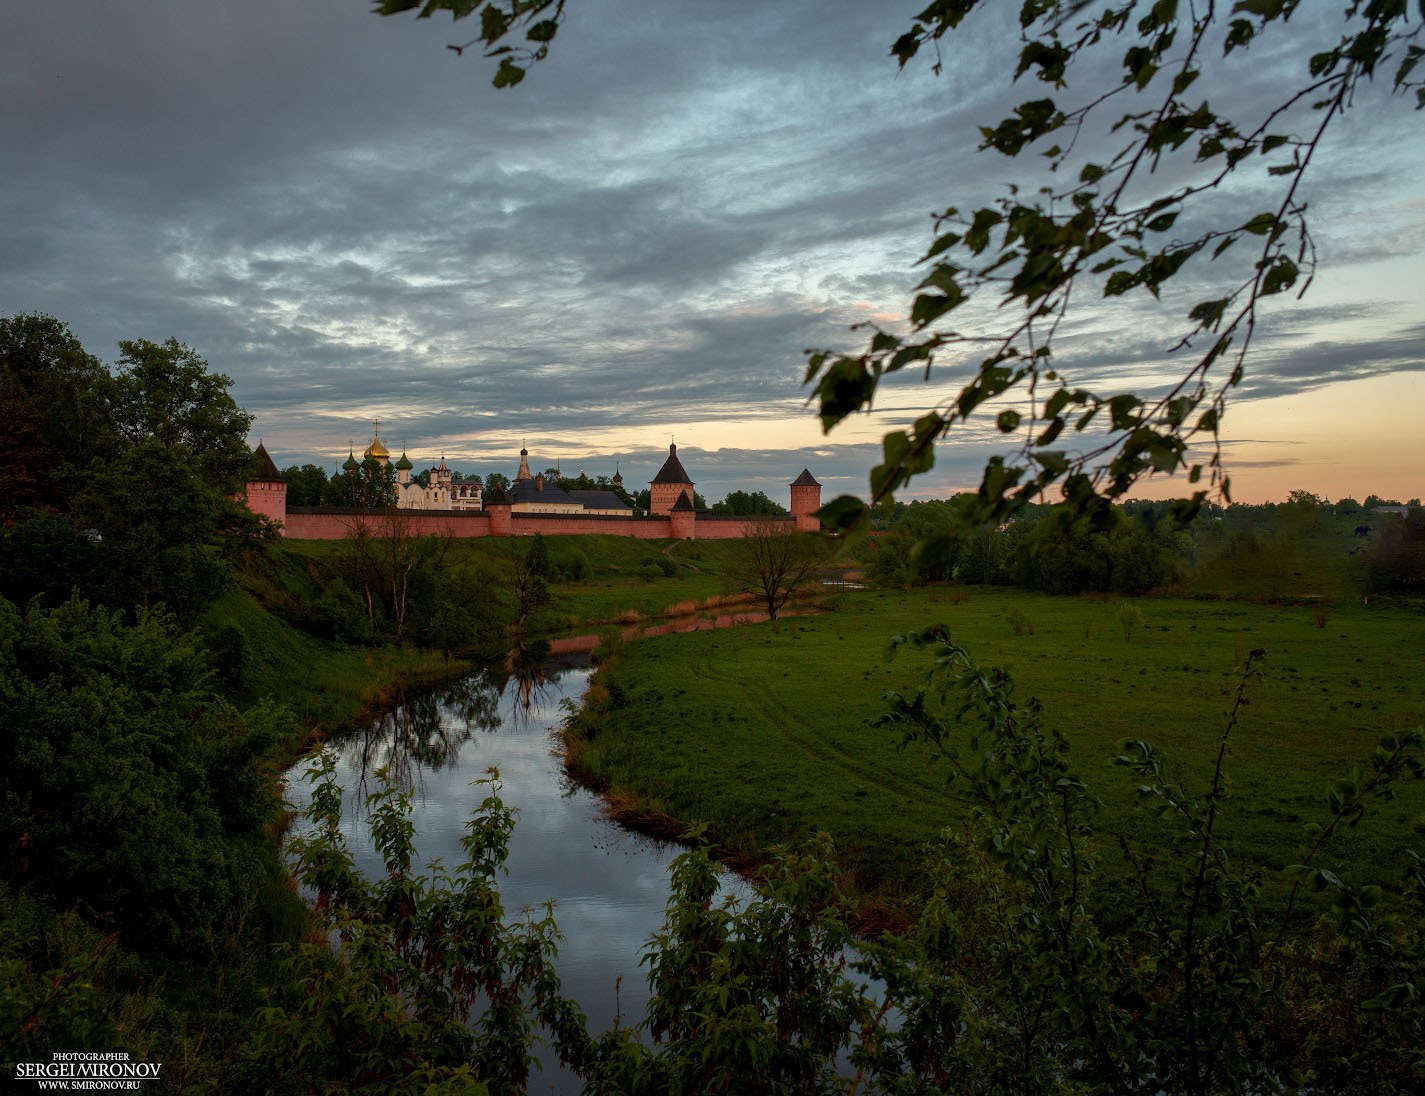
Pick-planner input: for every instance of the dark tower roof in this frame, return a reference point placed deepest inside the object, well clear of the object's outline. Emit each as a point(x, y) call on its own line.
point(266, 469)
point(805, 479)
point(672, 470)
point(684, 502)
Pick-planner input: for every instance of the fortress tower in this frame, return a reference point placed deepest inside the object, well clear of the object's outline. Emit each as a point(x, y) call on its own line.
point(267, 490)
point(668, 485)
point(806, 501)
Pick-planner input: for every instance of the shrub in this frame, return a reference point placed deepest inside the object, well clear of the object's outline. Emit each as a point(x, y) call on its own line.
point(571, 565)
point(133, 789)
point(1129, 618)
point(1019, 623)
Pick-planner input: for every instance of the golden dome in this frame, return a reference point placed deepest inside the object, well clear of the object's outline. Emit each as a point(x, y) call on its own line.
point(376, 449)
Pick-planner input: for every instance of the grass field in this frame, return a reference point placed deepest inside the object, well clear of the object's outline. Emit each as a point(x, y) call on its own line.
point(765, 731)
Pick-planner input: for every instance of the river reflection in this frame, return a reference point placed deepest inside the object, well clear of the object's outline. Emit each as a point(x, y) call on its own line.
point(610, 886)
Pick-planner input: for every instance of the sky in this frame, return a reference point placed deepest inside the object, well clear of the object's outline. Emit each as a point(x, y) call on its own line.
point(632, 248)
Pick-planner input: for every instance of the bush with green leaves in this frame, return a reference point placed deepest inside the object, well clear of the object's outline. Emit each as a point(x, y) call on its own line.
point(128, 789)
point(1181, 987)
point(424, 986)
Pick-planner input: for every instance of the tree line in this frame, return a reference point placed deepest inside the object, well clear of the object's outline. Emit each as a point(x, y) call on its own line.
point(1139, 546)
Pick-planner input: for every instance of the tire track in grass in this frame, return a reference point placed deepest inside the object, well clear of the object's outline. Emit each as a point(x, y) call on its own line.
point(844, 759)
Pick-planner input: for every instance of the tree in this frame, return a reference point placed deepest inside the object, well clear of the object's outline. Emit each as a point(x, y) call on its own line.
point(1161, 202)
point(139, 468)
point(396, 571)
point(57, 422)
point(156, 520)
point(497, 481)
point(306, 486)
point(127, 788)
point(370, 486)
point(165, 392)
point(745, 504)
point(44, 366)
point(528, 576)
point(775, 562)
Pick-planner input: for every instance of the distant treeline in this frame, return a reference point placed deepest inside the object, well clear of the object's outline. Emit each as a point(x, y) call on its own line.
point(1138, 547)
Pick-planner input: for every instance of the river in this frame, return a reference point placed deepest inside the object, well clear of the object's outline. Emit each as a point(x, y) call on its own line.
point(610, 885)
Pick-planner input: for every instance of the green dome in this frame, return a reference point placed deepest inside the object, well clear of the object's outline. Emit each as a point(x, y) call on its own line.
point(350, 464)
point(404, 464)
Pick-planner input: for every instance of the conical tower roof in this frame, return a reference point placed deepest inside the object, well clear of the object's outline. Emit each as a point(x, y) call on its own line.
point(805, 479)
point(266, 469)
point(672, 470)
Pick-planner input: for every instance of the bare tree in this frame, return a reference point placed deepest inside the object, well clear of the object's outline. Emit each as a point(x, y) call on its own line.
point(777, 562)
point(529, 576)
point(388, 554)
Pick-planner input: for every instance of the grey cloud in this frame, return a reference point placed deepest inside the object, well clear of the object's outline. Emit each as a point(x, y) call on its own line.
point(346, 218)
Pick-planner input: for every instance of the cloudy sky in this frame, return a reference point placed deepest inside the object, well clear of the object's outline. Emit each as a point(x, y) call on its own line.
point(634, 246)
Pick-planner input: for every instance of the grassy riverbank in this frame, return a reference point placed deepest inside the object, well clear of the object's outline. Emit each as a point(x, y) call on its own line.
point(765, 732)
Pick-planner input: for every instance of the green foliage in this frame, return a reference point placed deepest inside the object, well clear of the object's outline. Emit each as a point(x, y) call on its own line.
point(1019, 623)
point(1041, 549)
point(164, 393)
point(1180, 989)
point(1396, 558)
point(56, 398)
point(745, 504)
point(155, 543)
point(1113, 226)
point(528, 576)
point(539, 19)
point(662, 564)
point(340, 614)
point(425, 987)
point(570, 564)
point(46, 556)
point(752, 999)
point(371, 486)
point(307, 485)
point(128, 787)
point(123, 489)
point(51, 970)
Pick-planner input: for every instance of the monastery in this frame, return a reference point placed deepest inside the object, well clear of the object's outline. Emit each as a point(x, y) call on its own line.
point(531, 505)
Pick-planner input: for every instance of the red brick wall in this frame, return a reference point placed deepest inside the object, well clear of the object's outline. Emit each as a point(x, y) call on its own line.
point(312, 523)
point(564, 525)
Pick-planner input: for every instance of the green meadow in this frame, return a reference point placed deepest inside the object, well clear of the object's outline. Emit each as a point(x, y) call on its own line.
point(766, 732)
